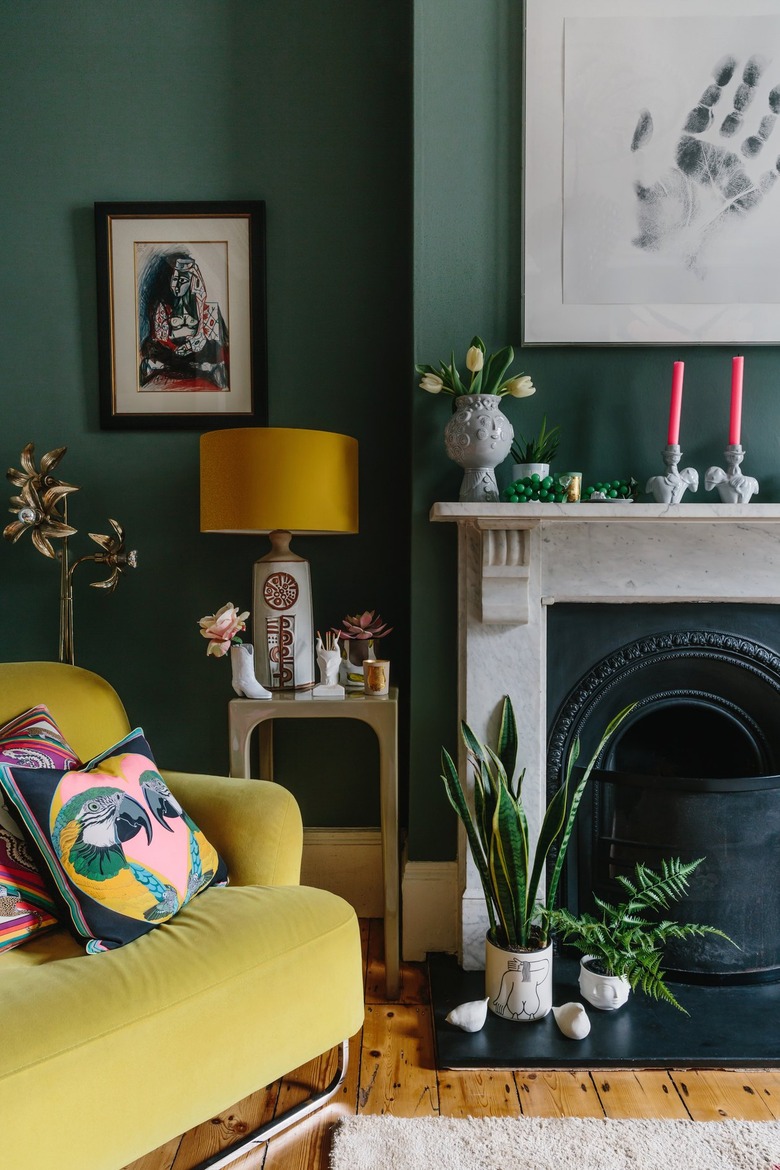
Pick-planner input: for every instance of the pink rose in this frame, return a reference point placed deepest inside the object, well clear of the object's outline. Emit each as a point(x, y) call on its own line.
point(222, 628)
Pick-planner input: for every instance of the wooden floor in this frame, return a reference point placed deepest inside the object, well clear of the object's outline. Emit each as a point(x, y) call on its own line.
point(391, 1070)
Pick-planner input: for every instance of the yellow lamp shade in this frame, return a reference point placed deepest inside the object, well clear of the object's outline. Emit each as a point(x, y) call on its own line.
point(259, 479)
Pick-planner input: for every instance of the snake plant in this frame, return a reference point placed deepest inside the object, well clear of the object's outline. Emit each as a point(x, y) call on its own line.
point(497, 831)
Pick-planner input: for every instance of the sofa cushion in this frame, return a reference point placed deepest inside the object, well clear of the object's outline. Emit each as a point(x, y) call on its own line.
point(31, 740)
point(25, 904)
point(120, 852)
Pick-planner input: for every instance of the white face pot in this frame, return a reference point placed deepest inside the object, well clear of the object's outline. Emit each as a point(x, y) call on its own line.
point(518, 984)
point(606, 992)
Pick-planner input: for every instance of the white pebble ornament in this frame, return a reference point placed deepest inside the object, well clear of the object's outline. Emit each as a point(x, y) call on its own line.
point(572, 1019)
point(471, 1016)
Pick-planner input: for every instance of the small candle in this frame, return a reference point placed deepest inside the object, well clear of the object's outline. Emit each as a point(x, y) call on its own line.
point(675, 405)
point(735, 419)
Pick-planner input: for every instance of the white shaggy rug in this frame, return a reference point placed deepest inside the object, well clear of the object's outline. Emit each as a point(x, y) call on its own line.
point(492, 1143)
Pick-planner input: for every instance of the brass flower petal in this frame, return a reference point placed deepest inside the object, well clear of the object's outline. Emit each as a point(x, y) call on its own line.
point(50, 460)
point(28, 463)
point(42, 544)
point(14, 530)
point(52, 495)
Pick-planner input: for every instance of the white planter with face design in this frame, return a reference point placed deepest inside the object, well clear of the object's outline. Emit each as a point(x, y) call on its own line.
point(606, 992)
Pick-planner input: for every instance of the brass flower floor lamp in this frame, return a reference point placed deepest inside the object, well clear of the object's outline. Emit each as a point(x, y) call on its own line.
point(41, 508)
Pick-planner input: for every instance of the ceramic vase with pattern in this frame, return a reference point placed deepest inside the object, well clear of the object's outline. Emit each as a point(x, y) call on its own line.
point(478, 437)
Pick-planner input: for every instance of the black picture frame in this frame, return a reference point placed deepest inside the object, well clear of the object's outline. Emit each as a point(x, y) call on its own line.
point(181, 315)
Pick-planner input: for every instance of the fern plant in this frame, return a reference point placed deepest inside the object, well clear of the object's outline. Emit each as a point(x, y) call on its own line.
point(497, 831)
point(628, 939)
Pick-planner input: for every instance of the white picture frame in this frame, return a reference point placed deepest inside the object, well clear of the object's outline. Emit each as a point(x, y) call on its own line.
point(593, 272)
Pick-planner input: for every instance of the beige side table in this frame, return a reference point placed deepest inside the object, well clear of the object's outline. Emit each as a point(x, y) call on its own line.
point(381, 714)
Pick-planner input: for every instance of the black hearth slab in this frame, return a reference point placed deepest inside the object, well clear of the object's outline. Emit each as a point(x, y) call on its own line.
point(728, 1027)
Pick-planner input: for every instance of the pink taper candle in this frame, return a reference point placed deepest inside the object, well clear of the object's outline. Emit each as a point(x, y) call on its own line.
point(676, 404)
point(735, 419)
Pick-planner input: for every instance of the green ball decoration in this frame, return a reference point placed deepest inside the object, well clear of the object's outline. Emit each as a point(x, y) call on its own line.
point(532, 488)
point(613, 489)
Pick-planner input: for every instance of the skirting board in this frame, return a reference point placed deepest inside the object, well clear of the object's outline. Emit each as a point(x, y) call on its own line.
point(347, 862)
point(430, 897)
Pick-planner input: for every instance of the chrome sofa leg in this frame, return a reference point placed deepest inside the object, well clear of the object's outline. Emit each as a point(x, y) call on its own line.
point(271, 1128)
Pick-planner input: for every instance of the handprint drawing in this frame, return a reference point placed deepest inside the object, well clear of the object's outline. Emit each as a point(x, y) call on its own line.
point(719, 177)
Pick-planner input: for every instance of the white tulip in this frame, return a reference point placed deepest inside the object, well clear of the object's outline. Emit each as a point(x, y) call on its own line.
point(475, 359)
point(432, 383)
point(521, 387)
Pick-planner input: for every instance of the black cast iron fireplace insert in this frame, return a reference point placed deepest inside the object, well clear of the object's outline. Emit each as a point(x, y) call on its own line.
point(694, 771)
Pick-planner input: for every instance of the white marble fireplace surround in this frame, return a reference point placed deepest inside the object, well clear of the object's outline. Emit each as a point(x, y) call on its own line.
point(515, 560)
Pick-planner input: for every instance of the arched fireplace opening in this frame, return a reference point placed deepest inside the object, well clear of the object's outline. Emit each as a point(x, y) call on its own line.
point(692, 772)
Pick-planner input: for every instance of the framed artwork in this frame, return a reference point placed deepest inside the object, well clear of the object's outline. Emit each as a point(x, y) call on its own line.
point(181, 315)
point(651, 192)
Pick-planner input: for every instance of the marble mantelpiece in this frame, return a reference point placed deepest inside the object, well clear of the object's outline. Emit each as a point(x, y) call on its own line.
point(515, 560)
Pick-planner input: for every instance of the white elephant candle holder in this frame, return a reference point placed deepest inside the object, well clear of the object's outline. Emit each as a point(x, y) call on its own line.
point(670, 487)
point(733, 487)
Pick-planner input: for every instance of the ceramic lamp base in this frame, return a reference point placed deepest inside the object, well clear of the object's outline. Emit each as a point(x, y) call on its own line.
point(282, 617)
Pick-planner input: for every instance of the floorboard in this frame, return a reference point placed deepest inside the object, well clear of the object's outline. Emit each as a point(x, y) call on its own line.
point(392, 1070)
point(558, 1093)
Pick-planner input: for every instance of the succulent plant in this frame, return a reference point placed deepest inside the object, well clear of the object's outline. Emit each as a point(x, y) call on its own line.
point(363, 627)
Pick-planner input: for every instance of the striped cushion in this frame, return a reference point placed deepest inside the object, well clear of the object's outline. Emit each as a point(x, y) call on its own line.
point(31, 740)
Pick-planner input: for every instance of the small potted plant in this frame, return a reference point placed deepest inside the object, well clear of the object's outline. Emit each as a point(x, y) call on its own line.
point(534, 456)
point(622, 949)
point(518, 952)
point(360, 633)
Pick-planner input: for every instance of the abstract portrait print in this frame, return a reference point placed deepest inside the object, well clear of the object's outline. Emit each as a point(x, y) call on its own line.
point(182, 311)
point(122, 852)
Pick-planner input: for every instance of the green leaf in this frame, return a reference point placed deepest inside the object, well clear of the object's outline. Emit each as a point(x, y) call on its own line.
point(509, 868)
point(495, 368)
point(452, 787)
point(507, 738)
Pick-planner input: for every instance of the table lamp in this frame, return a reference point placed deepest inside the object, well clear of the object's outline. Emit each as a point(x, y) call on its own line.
point(280, 481)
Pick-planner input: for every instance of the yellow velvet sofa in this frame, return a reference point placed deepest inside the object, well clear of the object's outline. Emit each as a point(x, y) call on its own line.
point(105, 1057)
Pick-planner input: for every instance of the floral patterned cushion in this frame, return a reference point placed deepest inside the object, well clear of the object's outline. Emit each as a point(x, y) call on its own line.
point(120, 852)
point(31, 740)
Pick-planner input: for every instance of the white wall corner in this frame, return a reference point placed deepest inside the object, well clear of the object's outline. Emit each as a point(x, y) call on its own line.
point(430, 896)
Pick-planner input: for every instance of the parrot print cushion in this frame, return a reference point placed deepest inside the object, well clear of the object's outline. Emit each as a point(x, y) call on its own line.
point(121, 853)
point(31, 740)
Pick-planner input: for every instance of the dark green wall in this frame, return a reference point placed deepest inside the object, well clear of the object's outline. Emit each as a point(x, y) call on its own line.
point(306, 106)
point(612, 403)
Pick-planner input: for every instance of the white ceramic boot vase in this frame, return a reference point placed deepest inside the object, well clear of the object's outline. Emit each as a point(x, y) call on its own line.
point(242, 660)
